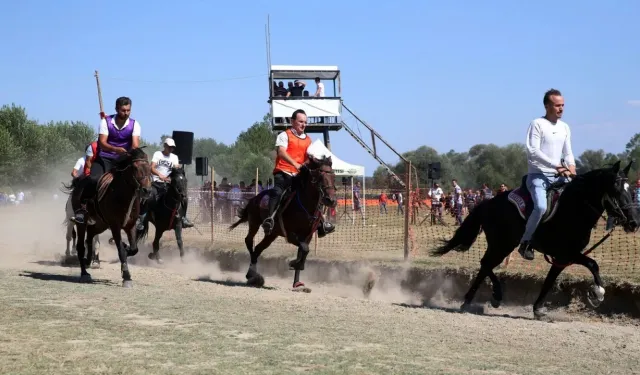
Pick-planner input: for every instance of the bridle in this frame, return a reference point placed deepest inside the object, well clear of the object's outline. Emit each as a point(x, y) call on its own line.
point(136, 183)
point(614, 209)
point(316, 174)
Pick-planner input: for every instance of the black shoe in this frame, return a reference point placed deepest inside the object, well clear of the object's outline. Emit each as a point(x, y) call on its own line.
point(267, 225)
point(186, 223)
point(325, 229)
point(526, 251)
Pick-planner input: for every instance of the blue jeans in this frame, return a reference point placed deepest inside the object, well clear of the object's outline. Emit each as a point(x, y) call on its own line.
point(537, 183)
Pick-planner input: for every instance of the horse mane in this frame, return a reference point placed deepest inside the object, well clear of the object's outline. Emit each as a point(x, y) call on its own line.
point(124, 160)
point(598, 176)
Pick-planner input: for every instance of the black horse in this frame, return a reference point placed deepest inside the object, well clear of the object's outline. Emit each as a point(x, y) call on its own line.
point(115, 201)
point(563, 234)
point(162, 213)
point(296, 219)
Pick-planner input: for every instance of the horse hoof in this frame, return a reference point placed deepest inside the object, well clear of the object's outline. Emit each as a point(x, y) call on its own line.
point(131, 252)
point(95, 265)
point(595, 296)
point(159, 260)
point(541, 314)
point(465, 307)
point(86, 278)
point(256, 281)
point(495, 303)
point(111, 241)
point(300, 287)
point(152, 256)
point(127, 284)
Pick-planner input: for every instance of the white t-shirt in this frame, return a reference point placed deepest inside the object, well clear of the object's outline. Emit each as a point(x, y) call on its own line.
point(436, 193)
point(104, 129)
point(458, 194)
point(547, 143)
point(164, 164)
point(321, 87)
point(283, 141)
point(79, 165)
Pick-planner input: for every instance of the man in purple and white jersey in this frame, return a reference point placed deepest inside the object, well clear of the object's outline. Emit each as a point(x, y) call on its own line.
point(118, 135)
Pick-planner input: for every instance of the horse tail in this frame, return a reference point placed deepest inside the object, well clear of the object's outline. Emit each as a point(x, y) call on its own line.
point(243, 214)
point(467, 233)
point(142, 234)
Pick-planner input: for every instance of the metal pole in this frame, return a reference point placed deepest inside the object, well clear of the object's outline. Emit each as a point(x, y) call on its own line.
point(406, 211)
point(327, 140)
point(211, 210)
point(257, 176)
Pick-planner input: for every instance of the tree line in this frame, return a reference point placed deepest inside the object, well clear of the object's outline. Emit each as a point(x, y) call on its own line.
point(495, 165)
point(33, 153)
point(43, 154)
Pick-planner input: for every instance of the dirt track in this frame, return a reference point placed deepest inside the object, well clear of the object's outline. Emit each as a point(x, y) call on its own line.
point(172, 323)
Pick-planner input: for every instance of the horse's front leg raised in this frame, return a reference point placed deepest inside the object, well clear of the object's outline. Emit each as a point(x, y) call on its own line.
point(298, 265)
point(81, 231)
point(595, 295)
point(122, 255)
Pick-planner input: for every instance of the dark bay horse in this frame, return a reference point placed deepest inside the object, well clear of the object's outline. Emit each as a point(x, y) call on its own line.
point(296, 219)
point(563, 234)
point(162, 213)
point(114, 205)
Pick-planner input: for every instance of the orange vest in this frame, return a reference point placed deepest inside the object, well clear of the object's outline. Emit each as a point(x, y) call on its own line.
point(94, 149)
point(297, 149)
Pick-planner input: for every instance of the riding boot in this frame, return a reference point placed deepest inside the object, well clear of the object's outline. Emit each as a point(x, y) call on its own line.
point(186, 223)
point(325, 228)
point(268, 223)
point(526, 250)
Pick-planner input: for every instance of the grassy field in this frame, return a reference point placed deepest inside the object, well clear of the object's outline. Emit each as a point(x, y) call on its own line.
point(191, 318)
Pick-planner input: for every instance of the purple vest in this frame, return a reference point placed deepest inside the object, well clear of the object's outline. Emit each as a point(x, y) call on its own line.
point(118, 138)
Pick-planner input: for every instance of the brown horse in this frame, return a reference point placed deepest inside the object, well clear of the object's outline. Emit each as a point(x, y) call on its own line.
point(296, 219)
point(115, 205)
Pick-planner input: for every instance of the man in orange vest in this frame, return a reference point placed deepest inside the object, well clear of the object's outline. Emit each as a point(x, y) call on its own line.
point(291, 148)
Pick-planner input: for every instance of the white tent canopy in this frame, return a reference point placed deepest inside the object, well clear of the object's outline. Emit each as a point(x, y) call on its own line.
point(342, 168)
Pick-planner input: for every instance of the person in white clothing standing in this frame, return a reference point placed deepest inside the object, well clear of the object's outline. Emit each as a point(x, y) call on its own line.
point(548, 142)
point(320, 90)
point(162, 163)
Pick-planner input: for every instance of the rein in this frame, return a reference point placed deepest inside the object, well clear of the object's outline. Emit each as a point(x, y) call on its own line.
point(321, 192)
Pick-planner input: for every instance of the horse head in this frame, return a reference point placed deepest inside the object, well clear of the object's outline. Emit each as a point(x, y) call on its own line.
point(135, 166)
point(319, 173)
point(178, 182)
point(618, 199)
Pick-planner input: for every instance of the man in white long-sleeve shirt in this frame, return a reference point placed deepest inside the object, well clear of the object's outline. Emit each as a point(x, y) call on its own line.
point(548, 142)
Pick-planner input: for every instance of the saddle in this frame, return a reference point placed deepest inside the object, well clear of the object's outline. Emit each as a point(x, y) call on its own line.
point(286, 198)
point(521, 198)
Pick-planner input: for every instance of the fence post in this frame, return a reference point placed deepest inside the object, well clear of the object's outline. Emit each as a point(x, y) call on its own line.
point(257, 178)
point(407, 207)
point(211, 210)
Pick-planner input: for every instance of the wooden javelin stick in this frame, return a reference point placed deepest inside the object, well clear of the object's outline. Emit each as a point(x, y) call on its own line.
point(102, 115)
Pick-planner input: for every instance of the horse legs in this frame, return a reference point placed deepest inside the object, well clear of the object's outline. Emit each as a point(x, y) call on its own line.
point(491, 259)
point(178, 232)
point(596, 294)
point(71, 236)
point(96, 251)
point(253, 277)
point(156, 247)
point(122, 255)
point(298, 265)
point(538, 309)
point(84, 275)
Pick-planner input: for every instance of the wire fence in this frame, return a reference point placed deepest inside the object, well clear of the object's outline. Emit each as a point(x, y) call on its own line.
point(376, 232)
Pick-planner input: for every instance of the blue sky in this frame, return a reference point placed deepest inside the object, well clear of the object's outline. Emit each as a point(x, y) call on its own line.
point(444, 74)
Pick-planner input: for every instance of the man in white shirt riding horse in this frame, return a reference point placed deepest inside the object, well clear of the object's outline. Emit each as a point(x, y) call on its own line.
point(548, 142)
point(162, 163)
